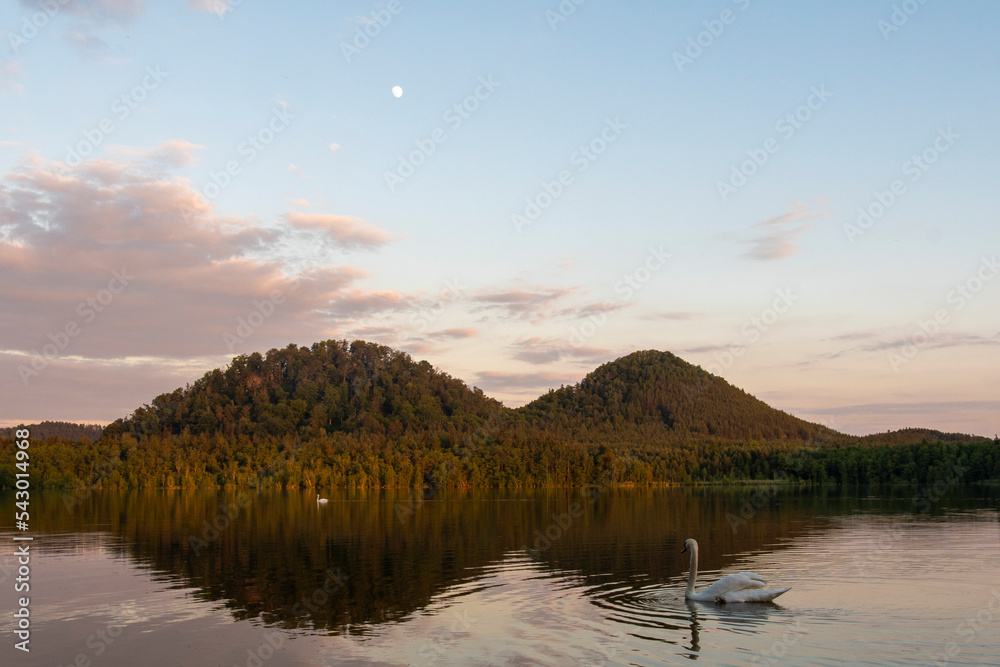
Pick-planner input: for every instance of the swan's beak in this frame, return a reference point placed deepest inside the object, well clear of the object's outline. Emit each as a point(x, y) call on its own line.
point(684, 550)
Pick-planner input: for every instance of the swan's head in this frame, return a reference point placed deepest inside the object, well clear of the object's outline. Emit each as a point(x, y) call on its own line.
point(689, 545)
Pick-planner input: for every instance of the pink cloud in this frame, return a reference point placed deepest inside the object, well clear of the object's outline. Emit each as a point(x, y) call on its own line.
point(344, 231)
point(177, 277)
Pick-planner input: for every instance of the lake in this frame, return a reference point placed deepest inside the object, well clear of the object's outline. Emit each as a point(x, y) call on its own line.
point(902, 576)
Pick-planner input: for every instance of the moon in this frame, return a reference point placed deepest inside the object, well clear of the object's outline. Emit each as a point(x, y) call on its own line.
point(397, 91)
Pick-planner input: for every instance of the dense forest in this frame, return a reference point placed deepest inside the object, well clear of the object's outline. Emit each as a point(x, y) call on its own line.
point(62, 430)
point(364, 415)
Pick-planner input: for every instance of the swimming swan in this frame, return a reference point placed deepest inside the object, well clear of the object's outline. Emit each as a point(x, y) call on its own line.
point(739, 587)
point(320, 501)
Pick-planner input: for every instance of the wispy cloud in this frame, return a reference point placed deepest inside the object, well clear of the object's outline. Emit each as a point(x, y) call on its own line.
point(678, 315)
point(538, 350)
point(360, 303)
point(344, 231)
point(534, 303)
point(778, 239)
point(91, 47)
point(452, 334)
point(295, 169)
point(914, 408)
point(173, 153)
point(883, 343)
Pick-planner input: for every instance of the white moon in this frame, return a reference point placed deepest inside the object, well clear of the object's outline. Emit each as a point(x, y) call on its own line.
point(397, 91)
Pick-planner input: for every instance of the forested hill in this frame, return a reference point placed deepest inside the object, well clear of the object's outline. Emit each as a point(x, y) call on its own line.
point(370, 389)
point(653, 387)
point(308, 392)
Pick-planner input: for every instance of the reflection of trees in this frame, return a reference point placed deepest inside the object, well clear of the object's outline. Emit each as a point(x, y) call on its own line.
point(280, 547)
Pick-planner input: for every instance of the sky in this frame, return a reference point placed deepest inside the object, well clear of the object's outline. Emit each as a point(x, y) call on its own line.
point(799, 197)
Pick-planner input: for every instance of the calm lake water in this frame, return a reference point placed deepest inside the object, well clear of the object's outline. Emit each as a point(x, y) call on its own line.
point(564, 577)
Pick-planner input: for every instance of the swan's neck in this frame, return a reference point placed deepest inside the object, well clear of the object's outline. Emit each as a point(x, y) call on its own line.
point(693, 571)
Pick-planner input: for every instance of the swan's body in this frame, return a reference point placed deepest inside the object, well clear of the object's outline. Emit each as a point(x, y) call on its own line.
point(321, 501)
point(739, 587)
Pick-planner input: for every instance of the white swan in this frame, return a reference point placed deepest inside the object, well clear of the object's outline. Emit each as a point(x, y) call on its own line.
point(739, 587)
point(320, 501)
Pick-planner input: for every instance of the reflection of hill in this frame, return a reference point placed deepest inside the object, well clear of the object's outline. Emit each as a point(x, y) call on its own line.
point(275, 552)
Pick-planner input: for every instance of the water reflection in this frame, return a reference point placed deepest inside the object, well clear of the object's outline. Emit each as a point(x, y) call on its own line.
point(695, 644)
point(369, 559)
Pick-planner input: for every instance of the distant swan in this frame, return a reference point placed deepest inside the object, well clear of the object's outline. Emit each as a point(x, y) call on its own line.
point(321, 501)
point(739, 587)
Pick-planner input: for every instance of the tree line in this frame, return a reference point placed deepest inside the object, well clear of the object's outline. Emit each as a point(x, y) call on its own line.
point(341, 414)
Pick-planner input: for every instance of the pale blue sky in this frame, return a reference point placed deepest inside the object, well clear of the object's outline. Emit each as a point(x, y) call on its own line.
point(888, 96)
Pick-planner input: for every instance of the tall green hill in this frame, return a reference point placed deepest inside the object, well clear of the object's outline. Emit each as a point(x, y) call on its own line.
point(656, 388)
point(329, 387)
